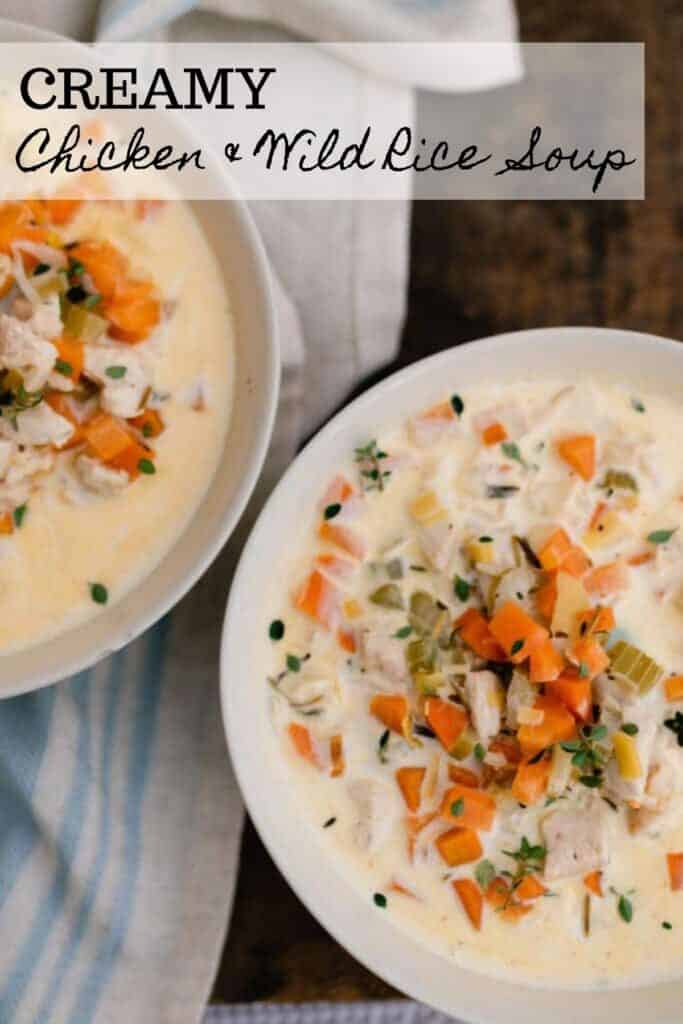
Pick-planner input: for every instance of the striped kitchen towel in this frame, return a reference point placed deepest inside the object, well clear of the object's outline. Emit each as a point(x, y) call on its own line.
point(121, 818)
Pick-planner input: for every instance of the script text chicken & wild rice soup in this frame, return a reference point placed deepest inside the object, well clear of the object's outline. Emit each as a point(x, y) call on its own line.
point(115, 381)
point(476, 678)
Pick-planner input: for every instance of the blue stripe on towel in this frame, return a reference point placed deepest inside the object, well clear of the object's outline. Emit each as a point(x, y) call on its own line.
point(123, 902)
point(111, 707)
point(50, 907)
point(164, 12)
point(21, 716)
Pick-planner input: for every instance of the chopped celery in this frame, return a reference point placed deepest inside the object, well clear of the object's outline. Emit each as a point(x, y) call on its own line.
point(421, 655)
point(632, 665)
point(388, 596)
point(424, 612)
point(617, 479)
point(394, 569)
point(427, 683)
point(81, 323)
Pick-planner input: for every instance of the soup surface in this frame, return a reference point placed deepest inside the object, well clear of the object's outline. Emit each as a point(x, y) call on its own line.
point(477, 679)
point(116, 373)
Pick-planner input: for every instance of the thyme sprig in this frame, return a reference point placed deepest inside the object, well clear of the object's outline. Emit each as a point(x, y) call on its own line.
point(369, 458)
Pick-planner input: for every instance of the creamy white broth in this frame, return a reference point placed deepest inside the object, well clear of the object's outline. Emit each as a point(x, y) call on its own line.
point(548, 946)
point(64, 545)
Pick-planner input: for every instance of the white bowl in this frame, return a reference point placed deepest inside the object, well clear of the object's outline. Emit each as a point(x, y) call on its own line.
point(299, 847)
point(235, 242)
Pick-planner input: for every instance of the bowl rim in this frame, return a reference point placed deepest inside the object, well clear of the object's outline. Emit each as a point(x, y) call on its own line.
point(272, 826)
point(123, 633)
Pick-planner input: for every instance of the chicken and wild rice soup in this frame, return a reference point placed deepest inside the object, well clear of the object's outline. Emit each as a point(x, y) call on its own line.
point(115, 377)
point(477, 679)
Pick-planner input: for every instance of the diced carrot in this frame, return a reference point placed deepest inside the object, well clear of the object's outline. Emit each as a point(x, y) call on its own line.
point(577, 562)
point(553, 552)
point(597, 620)
point(590, 656)
point(346, 639)
point(6, 523)
point(558, 552)
point(338, 763)
point(574, 692)
point(545, 663)
point(70, 353)
point(149, 423)
point(499, 897)
point(494, 434)
point(106, 265)
point(6, 285)
point(459, 846)
point(608, 579)
point(516, 632)
point(410, 779)
point(463, 776)
point(475, 632)
point(61, 404)
point(477, 809)
point(440, 411)
point(447, 720)
point(17, 221)
point(531, 781)
point(470, 896)
point(558, 725)
point(343, 537)
point(339, 491)
point(530, 888)
point(673, 687)
point(642, 558)
point(303, 744)
point(129, 460)
point(593, 882)
point(61, 211)
point(133, 312)
point(391, 710)
point(318, 598)
point(578, 451)
point(675, 864)
point(107, 437)
point(546, 596)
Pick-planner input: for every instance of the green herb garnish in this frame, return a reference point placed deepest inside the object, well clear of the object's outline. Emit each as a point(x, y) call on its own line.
point(630, 728)
point(19, 514)
point(457, 405)
point(462, 588)
point(676, 726)
point(329, 822)
point(380, 900)
point(276, 630)
point(293, 663)
point(667, 925)
point(369, 458)
point(403, 632)
point(116, 372)
point(511, 450)
point(382, 746)
point(479, 752)
point(99, 593)
point(587, 755)
point(484, 873)
point(66, 369)
point(516, 647)
point(637, 405)
point(457, 807)
point(501, 490)
point(661, 536)
point(147, 466)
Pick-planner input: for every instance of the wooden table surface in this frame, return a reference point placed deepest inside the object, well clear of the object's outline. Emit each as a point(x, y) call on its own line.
point(480, 268)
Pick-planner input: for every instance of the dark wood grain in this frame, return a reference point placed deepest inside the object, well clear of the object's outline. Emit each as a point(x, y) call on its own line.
point(481, 268)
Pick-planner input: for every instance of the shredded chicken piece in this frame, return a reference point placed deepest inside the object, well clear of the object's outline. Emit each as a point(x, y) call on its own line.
point(576, 841)
point(98, 478)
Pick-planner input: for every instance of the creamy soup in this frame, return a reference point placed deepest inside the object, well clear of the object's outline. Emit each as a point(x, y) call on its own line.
point(478, 673)
point(115, 390)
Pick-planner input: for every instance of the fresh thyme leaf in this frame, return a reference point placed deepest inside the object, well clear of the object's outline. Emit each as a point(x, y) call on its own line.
point(369, 458)
point(403, 632)
point(147, 466)
point(329, 822)
point(625, 908)
point(276, 630)
point(457, 807)
point(479, 752)
point(41, 268)
point(116, 372)
point(462, 588)
point(380, 900)
point(630, 728)
point(516, 647)
point(457, 405)
point(382, 746)
point(332, 510)
point(667, 925)
point(676, 726)
point(486, 540)
point(484, 873)
point(293, 663)
point(66, 369)
point(19, 514)
point(591, 781)
point(583, 670)
point(637, 405)
point(99, 593)
point(501, 490)
point(511, 450)
point(661, 536)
